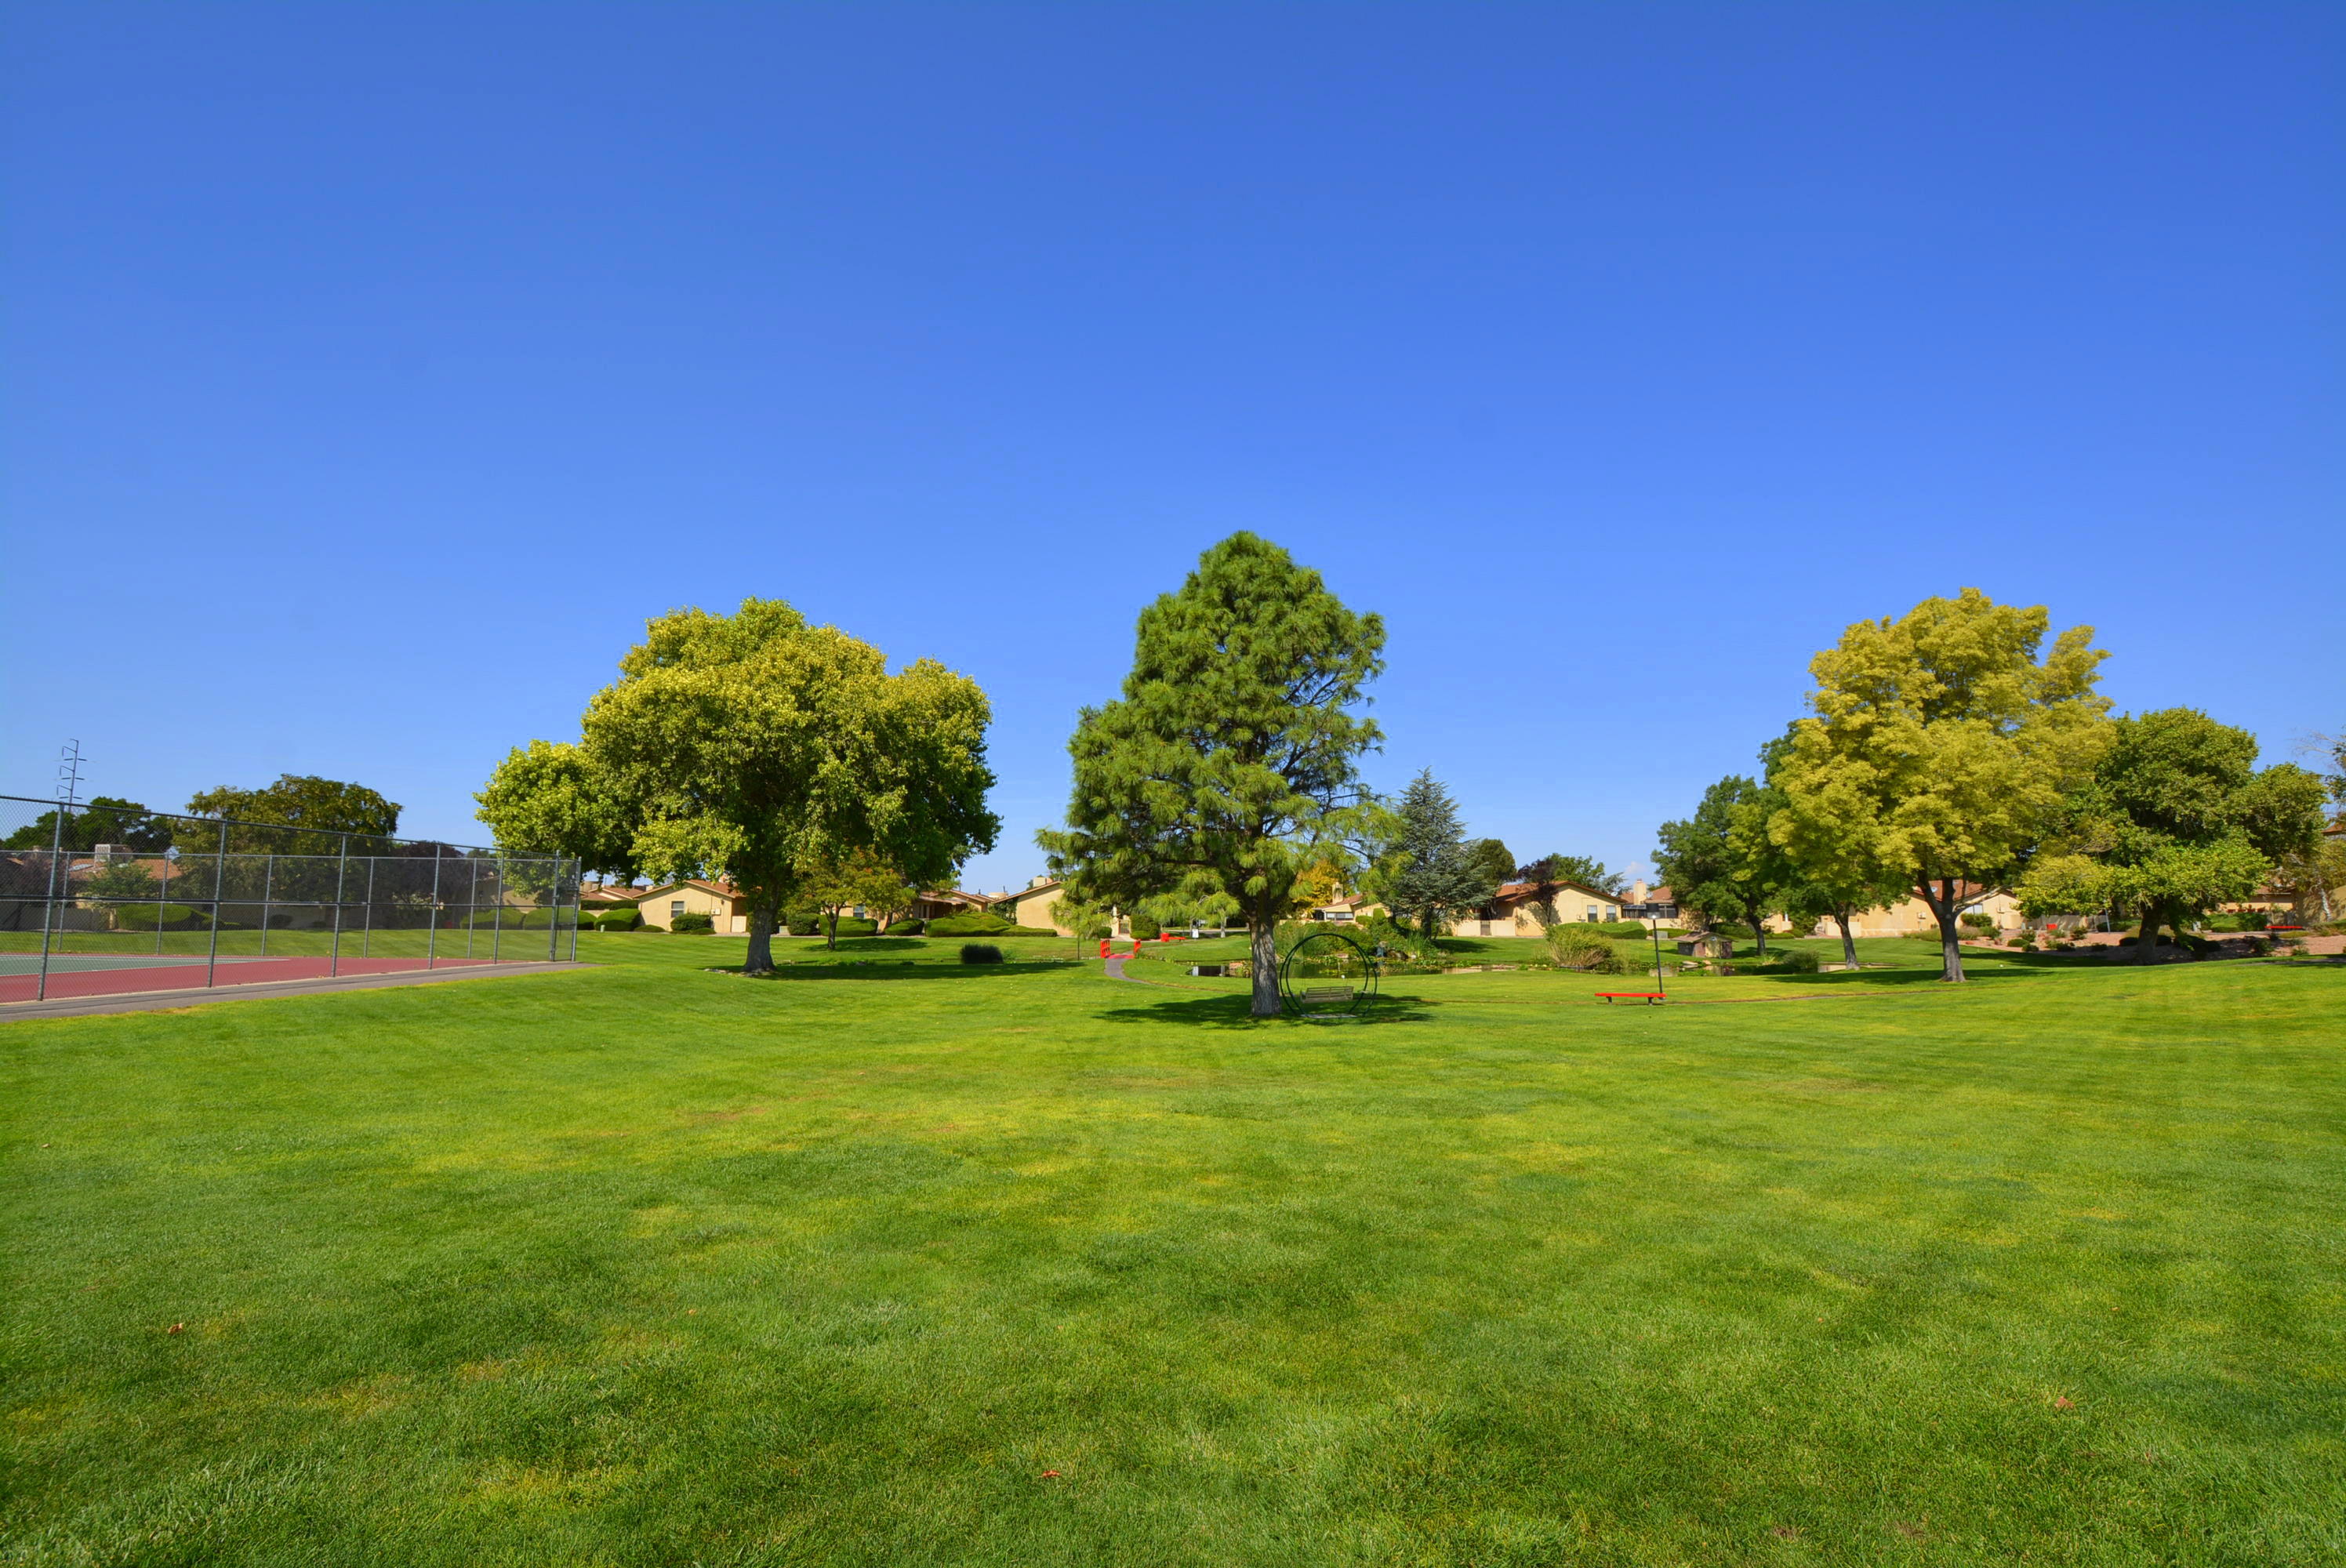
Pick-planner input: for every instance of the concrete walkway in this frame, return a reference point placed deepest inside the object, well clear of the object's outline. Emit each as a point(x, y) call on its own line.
point(198, 996)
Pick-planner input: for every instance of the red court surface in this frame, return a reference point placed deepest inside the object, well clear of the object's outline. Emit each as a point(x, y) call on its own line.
point(230, 972)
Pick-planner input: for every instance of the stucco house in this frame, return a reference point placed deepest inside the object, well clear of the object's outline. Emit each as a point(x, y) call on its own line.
point(1528, 909)
point(1030, 906)
point(725, 905)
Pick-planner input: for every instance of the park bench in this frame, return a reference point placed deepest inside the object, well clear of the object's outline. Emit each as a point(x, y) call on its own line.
point(1328, 996)
point(1648, 997)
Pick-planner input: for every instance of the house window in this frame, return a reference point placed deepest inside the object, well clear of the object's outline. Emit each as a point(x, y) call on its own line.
point(675, 908)
point(1595, 914)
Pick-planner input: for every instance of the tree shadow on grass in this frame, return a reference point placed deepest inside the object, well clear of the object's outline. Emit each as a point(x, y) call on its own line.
point(1236, 1012)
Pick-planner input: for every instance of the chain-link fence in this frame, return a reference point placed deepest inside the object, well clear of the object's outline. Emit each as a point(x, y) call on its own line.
point(95, 900)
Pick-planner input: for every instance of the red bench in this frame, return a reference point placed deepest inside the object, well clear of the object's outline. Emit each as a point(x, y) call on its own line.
point(1648, 997)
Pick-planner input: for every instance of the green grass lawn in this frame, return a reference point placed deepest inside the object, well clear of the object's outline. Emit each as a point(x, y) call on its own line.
point(889, 1260)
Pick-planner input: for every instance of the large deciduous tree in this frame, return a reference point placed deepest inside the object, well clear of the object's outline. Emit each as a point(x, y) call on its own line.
point(1231, 762)
point(1428, 870)
point(1581, 870)
point(1940, 749)
point(105, 820)
point(1491, 860)
point(1720, 860)
point(2176, 819)
point(1829, 873)
point(313, 805)
point(549, 798)
point(756, 746)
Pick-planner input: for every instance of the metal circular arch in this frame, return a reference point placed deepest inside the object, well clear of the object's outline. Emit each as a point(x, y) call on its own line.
point(1372, 965)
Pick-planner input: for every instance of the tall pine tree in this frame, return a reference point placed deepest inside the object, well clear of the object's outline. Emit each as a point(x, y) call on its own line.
point(1430, 871)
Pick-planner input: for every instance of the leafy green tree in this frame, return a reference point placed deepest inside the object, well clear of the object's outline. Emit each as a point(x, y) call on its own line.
point(1578, 869)
point(2176, 819)
point(122, 879)
point(1941, 749)
point(857, 880)
point(1086, 923)
point(549, 798)
point(1827, 876)
point(756, 746)
point(1428, 870)
point(1721, 862)
point(318, 806)
point(1492, 861)
point(103, 821)
point(1232, 761)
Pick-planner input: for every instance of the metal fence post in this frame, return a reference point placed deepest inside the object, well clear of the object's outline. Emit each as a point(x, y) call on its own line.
point(341, 875)
point(162, 906)
point(497, 913)
point(268, 885)
point(431, 935)
point(219, 879)
point(554, 917)
point(366, 917)
point(472, 901)
point(49, 902)
point(578, 876)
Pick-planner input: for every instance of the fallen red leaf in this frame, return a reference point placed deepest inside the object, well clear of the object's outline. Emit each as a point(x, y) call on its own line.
point(1048, 1474)
point(2061, 1402)
point(177, 1329)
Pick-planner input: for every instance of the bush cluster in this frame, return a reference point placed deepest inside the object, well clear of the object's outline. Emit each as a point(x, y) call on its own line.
point(1586, 949)
point(692, 925)
point(980, 953)
point(170, 917)
point(970, 925)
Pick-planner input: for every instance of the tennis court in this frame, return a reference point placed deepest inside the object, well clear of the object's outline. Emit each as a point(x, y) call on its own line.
point(95, 902)
point(110, 973)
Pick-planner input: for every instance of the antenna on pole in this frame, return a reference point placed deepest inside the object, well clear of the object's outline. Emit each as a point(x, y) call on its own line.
point(69, 760)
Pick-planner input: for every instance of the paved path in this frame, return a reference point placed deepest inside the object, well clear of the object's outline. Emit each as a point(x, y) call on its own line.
point(156, 1001)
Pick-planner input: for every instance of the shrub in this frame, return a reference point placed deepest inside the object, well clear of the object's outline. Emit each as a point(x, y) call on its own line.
point(692, 925)
point(170, 917)
point(1580, 947)
point(980, 953)
point(849, 926)
point(2025, 942)
point(618, 920)
point(803, 922)
point(1145, 928)
point(1978, 922)
point(966, 926)
point(1798, 961)
point(905, 927)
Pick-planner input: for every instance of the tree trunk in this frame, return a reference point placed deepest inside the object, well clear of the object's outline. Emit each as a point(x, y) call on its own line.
point(1848, 942)
point(760, 959)
point(2146, 942)
point(1263, 946)
point(1951, 942)
point(1760, 937)
point(830, 933)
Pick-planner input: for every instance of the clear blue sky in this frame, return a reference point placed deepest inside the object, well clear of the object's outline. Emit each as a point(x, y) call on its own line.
point(371, 373)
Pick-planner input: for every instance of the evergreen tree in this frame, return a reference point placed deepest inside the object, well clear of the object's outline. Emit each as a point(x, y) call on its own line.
point(1232, 762)
point(1429, 871)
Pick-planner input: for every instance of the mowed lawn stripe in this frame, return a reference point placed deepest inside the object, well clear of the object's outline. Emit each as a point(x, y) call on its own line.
point(651, 1265)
